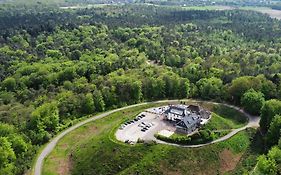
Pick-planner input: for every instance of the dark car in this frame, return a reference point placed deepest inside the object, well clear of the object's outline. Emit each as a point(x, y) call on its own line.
point(143, 130)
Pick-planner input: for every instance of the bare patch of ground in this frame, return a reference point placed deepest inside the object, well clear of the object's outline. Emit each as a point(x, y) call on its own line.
point(173, 173)
point(64, 146)
point(83, 135)
point(190, 166)
point(65, 166)
point(228, 160)
point(167, 171)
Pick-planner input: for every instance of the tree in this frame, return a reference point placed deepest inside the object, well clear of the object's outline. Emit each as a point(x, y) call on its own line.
point(206, 135)
point(268, 111)
point(109, 96)
point(68, 73)
point(9, 84)
point(266, 166)
point(68, 103)
point(88, 105)
point(184, 88)
point(154, 88)
point(6, 97)
point(275, 154)
point(210, 88)
point(98, 100)
point(6, 129)
point(53, 53)
point(268, 88)
point(18, 144)
point(7, 156)
point(253, 101)
point(44, 122)
point(193, 72)
point(240, 85)
point(171, 82)
point(75, 55)
point(274, 132)
point(136, 91)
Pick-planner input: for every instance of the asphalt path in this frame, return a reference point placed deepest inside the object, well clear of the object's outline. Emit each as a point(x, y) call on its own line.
point(253, 121)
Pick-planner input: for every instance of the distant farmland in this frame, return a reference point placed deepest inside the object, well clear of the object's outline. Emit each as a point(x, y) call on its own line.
point(271, 12)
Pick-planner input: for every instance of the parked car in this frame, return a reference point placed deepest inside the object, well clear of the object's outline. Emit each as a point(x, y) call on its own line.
point(141, 125)
point(149, 125)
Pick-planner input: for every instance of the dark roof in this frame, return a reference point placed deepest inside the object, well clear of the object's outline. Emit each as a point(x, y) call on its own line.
point(194, 108)
point(178, 108)
point(188, 121)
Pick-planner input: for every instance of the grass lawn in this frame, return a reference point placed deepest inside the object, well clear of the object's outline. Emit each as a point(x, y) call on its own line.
point(102, 156)
point(220, 123)
point(92, 149)
point(223, 117)
point(59, 161)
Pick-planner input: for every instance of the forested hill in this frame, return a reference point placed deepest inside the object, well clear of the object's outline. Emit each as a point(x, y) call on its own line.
point(58, 66)
point(45, 19)
point(158, 2)
point(64, 2)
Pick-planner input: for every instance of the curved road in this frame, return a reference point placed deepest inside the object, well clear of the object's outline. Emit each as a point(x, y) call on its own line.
point(253, 122)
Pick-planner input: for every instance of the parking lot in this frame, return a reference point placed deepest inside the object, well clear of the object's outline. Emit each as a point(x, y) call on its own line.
point(144, 126)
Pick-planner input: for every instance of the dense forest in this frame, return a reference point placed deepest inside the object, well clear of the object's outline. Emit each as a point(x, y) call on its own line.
point(58, 66)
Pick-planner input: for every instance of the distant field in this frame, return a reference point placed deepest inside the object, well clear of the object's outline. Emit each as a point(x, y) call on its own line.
point(272, 13)
point(94, 150)
point(265, 10)
point(32, 1)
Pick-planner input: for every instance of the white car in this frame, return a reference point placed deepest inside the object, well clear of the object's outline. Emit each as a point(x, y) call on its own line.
point(141, 125)
point(149, 124)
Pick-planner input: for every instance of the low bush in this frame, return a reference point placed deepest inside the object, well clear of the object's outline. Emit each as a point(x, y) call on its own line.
point(201, 137)
point(175, 138)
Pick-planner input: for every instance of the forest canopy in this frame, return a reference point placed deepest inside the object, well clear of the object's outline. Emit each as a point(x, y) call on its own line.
point(58, 66)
